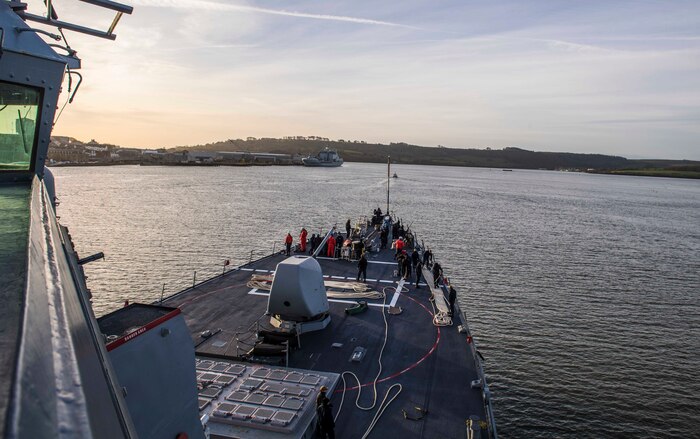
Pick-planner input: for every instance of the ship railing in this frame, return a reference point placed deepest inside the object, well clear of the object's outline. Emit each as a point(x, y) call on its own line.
point(485, 392)
point(213, 272)
point(210, 273)
point(476, 355)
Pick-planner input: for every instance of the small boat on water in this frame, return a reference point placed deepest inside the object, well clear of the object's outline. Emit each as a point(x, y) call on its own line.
point(395, 176)
point(327, 158)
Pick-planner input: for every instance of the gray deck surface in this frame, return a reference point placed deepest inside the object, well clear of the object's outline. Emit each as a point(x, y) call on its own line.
point(14, 236)
point(433, 365)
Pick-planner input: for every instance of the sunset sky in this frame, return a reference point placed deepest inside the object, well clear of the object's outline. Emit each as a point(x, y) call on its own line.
point(613, 77)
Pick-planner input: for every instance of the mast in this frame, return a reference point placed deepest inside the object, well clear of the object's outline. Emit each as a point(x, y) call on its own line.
point(388, 179)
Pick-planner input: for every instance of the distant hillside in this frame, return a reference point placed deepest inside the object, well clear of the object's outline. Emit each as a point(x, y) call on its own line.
point(69, 151)
point(414, 154)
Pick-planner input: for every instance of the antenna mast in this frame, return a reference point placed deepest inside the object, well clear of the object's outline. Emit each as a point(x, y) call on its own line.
point(388, 179)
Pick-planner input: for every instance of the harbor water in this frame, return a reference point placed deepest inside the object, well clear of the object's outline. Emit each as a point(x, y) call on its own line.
point(582, 291)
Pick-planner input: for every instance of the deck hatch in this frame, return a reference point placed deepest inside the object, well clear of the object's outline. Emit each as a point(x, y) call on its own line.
point(277, 375)
point(293, 403)
point(274, 388)
point(243, 412)
point(210, 392)
point(203, 403)
point(236, 369)
point(294, 377)
point(224, 380)
point(274, 401)
point(311, 380)
point(256, 398)
point(219, 367)
point(263, 372)
point(204, 364)
point(282, 418)
point(263, 415)
point(298, 391)
point(238, 395)
point(251, 383)
point(224, 409)
point(208, 377)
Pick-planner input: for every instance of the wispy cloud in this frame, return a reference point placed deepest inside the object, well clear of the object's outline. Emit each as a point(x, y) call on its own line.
point(214, 6)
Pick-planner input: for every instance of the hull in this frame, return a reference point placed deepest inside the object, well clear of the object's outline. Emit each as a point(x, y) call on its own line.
point(319, 164)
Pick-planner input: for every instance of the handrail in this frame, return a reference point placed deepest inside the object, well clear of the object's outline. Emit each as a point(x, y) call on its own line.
point(485, 392)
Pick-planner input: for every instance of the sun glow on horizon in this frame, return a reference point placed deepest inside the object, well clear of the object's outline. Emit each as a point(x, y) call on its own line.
point(594, 77)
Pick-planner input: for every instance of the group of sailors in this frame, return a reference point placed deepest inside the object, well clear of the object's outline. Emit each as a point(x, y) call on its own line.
point(333, 246)
point(406, 264)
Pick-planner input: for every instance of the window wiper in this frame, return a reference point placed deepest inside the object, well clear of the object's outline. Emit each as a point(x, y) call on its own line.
point(21, 131)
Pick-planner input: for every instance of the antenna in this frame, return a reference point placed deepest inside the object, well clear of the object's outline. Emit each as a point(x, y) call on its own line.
point(51, 18)
point(388, 179)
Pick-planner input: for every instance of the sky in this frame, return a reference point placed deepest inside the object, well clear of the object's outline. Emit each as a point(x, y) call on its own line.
point(611, 77)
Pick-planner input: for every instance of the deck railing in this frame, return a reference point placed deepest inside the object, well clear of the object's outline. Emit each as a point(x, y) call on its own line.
point(485, 392)
point(203, 275)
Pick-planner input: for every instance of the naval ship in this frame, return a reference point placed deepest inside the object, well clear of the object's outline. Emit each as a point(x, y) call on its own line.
point(328, 158)
point(245, 354)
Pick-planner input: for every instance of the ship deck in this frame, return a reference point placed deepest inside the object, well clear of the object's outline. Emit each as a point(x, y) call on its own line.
point(14, 237)
point(434, 365)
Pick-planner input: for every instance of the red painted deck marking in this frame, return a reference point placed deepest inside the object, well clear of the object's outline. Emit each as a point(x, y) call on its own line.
point(411, 366)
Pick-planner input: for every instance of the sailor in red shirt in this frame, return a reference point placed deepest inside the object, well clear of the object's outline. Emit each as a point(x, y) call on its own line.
point(302, 240)
point(288, 242)
point(331, 246)
point(399, 246)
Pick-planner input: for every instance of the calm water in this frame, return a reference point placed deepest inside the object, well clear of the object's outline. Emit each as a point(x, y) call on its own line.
point(583, 291)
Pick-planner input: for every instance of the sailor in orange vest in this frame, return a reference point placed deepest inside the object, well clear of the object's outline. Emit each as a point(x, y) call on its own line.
point(288, 242)
point(331, 246)
point(302, 240)
point(399, 244)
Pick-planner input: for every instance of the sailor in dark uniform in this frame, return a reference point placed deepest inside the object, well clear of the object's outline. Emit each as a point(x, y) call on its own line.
point(437, 272)
point(451, 299)
point(362, 268)
point(325, 425)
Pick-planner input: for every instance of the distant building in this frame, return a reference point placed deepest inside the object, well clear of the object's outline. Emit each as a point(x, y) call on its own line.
point(202, 156)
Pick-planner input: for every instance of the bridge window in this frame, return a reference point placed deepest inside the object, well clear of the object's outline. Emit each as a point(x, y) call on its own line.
point(19, 109)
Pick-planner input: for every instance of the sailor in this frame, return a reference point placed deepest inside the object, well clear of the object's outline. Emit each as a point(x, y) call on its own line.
point(399, 264)
point(437, 272)
point(326, 423)
point(338, 243)
point(312, 241)
point(415, 257)
point(406, 265)
point(347, 228)
point(321, 395)
point(427, 257)
point(452, 296)
point(331, 246)
point(362, 268)
point(399, 246)
point(419, 272)
point(288, 242)
point(302, 239)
